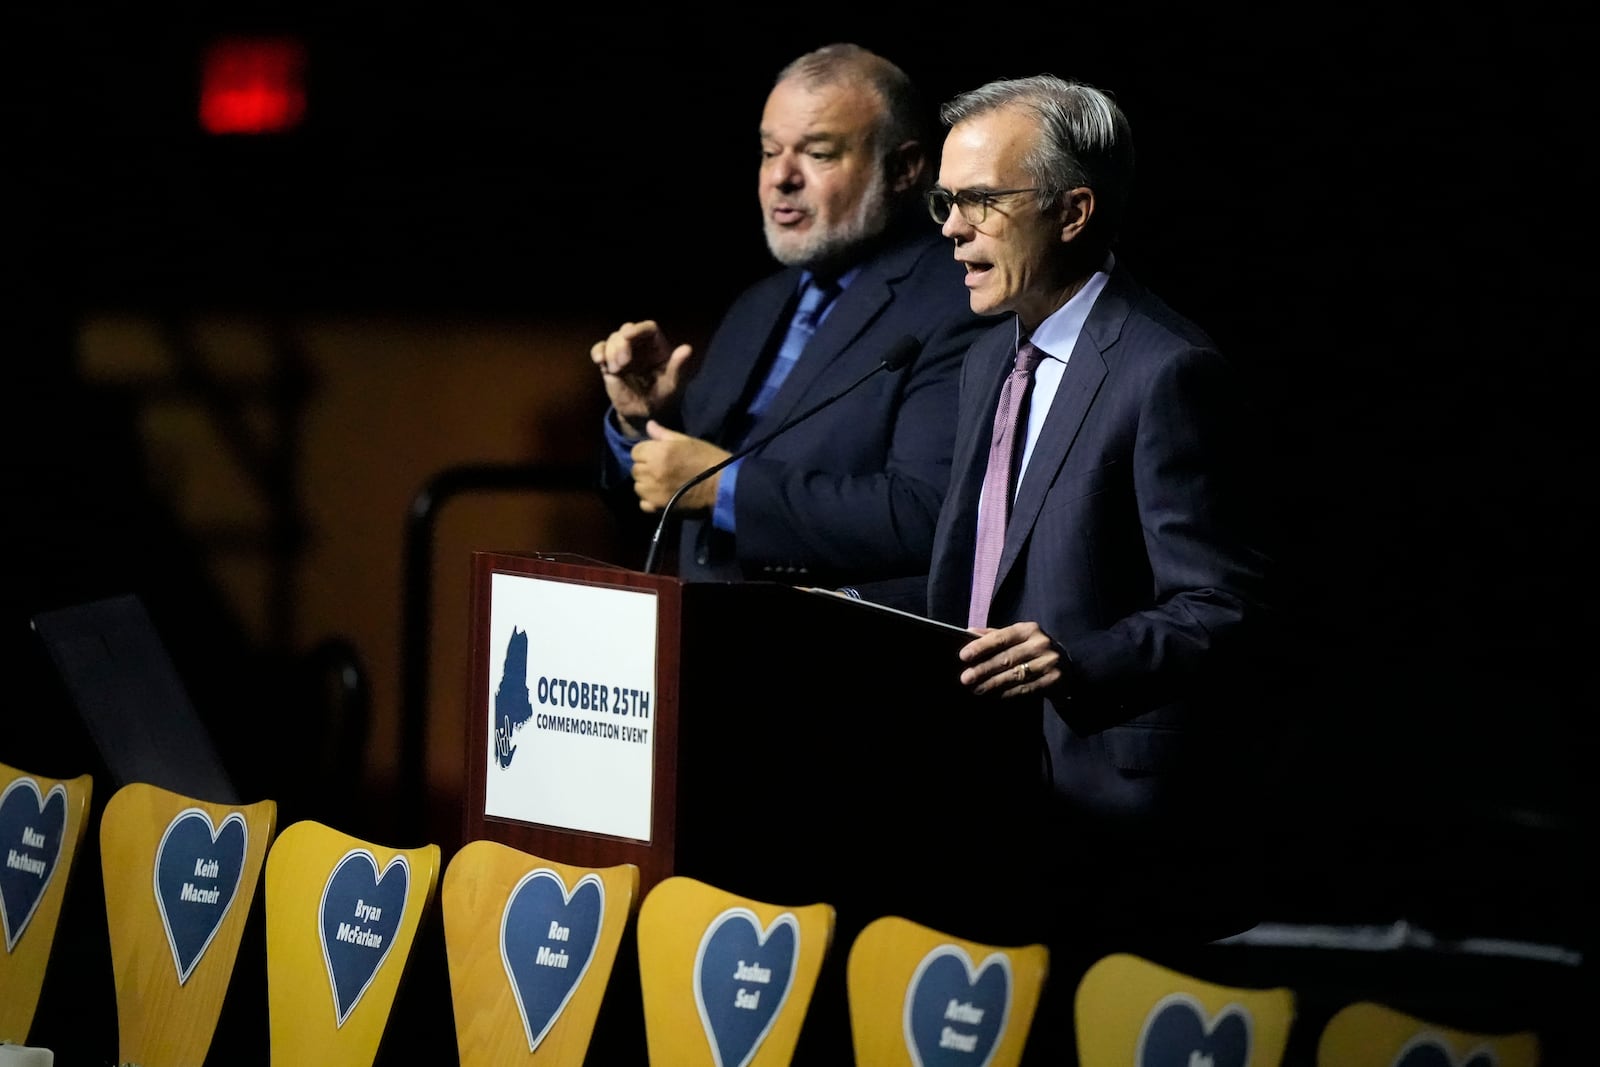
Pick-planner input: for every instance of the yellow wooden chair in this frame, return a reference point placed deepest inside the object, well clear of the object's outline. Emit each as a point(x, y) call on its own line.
point(530, 945)
point(919, 996)
point(1129, 1010)
point(42, 823)
point(726, 980)
point(180, 876)
point(1370, 1034)
point(342, 917)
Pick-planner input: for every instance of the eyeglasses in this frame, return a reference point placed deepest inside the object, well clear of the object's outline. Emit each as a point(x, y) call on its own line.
point(972, 203)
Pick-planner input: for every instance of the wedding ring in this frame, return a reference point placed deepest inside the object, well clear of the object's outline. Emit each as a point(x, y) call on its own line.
point(1023, 667)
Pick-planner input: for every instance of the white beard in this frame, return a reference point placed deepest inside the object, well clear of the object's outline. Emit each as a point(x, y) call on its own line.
point(820, 245)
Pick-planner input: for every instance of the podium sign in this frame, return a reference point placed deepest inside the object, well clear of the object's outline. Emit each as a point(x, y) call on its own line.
point(569, 707)
point(571, 737)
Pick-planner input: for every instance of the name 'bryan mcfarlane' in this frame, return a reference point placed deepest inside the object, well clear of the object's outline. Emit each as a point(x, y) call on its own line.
point(355, 935)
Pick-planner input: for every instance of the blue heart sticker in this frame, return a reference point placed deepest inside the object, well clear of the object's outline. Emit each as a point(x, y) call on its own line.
point(31, 829)
point(742, 976)
point(198, 869)
point(547, 940)
point(955, 1012)
point(361, 913)
point(1426, 1050)
point(1176, 1034)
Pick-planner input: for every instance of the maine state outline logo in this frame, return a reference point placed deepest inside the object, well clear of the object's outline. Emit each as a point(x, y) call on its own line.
point(513, 703)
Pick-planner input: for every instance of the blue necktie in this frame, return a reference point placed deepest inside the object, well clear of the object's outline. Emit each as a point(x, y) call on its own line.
point(814, 303)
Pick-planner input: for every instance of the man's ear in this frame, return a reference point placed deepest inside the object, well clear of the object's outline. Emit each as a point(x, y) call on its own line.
point(907, 161)
point(1076, 209)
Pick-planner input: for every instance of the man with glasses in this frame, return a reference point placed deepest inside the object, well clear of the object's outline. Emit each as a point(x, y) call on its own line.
point(850, 494)
point(1105, 541)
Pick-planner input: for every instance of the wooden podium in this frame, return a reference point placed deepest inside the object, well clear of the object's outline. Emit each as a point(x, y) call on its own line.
point(787, 744)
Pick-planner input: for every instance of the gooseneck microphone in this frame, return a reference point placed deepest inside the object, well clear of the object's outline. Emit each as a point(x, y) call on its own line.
point(899, 355)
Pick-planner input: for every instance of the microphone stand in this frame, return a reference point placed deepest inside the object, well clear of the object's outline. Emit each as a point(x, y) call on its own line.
point(903, 352)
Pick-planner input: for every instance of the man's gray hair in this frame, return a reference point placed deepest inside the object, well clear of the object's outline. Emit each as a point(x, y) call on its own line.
point(905, 114)
point(1084, 139)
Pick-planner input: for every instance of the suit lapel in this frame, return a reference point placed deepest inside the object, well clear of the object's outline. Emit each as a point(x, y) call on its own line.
point(726, 383)
point(1081, 381)
point(852, 310)
point(864, 300)
point(987, 364)
point(1086, 370)
point(970, 455)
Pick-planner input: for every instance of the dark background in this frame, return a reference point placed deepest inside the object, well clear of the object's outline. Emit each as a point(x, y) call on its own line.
point(1383, 211)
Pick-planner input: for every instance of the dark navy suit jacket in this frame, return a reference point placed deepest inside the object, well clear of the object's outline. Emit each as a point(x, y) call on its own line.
point(852, 493)
point(1137, 542)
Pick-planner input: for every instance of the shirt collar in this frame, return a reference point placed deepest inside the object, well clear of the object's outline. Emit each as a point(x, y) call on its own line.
point(843, 281)
point(1059, 332)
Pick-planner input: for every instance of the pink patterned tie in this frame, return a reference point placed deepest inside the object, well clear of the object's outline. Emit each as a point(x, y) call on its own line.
point(995, 504)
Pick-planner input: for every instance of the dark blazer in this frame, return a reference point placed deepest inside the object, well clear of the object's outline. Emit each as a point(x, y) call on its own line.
point(853, 492)
point(1137, 544)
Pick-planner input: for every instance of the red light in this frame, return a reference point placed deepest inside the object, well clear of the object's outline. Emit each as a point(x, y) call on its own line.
point(253, 85)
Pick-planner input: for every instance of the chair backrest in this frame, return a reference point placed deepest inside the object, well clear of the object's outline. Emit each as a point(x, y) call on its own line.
point(42, 822)
point(920, 996)
point(726, 980)
point(1130, 1010)
point(342, 917)
point(530, 945)
point(1370, 1034)
point(180, 876)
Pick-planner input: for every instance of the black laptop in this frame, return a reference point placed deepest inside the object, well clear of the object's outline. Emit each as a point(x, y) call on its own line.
point(120, 677)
